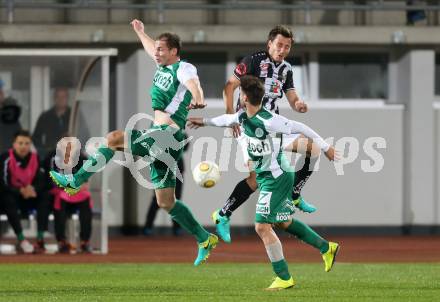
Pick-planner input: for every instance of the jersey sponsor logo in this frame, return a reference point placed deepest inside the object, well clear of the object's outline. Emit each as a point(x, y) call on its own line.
point(257, 147)
point(283, 216)
point(263, 204)
point(163, 80)
point(275, 87)
point(241, 69)
point(264, 67)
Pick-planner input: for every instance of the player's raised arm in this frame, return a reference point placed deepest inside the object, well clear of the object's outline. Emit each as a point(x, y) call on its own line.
point(146, 40)
point(225, 120)
point(198, 99)
point(228, 93)
point(283, 125)
point(187, 75)
point(295, 102)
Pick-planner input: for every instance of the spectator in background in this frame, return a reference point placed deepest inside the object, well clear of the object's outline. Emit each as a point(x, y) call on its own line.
point(53, 123)
point(22, 185)
point(9, 115)
point(65, 204)
point(414, 15)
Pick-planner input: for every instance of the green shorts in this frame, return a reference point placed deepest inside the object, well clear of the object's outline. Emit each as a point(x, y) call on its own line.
point(275, 201)
point(163, 146)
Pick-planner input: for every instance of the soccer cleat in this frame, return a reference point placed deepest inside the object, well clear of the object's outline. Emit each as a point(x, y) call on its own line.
point(65, 247)
point(205, 249)
point(24, 247)
point(303, 205)
point(40, 247)
point(85, 247)
point(329, 257)
point(222, 226)
point(279, 284)
point(65, 182)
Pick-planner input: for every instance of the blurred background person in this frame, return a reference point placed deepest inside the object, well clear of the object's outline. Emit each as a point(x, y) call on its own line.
point(22, 185)
point(9, 119)
point(52, 123)
point(65, 205)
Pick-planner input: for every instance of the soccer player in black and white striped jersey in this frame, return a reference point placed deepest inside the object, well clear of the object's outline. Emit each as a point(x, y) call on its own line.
point(277, 75)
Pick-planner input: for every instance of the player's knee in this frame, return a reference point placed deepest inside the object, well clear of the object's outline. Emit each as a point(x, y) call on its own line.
point(283, 225)
point(314, 151)
point(115, 138)
point(252, 181)
point(262, 229)
point(165, 203)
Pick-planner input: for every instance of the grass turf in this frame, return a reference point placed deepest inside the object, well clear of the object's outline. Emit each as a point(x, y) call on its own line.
point(217, 282)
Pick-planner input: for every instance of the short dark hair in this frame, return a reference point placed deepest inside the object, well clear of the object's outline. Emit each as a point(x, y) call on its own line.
point(172, 40)
point(280, 30)
point(253, 88)
point(22, 132)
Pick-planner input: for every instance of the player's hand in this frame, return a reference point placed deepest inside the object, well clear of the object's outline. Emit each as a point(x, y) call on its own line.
point(301, 107)
point(195, 122)
point(196, 104)
point(137, 25)
point(332, 154)
point(32, 192)
point(236, 131)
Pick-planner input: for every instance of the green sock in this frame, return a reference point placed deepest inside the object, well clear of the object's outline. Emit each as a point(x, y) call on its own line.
point(183, 216)
point(40, 235)
point(102, 154)
point(20, 237)
point(281, 270)
point(305, 233)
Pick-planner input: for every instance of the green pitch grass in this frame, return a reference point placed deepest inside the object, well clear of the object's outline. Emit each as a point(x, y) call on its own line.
point(217, 282)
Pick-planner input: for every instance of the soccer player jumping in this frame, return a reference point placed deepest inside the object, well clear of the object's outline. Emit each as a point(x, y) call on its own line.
point(274, 176)
point(277, 75)
point(176, 89)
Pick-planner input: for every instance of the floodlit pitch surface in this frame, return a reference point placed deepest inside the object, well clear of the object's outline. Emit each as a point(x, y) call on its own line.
point(217, 282)
point(159, 268)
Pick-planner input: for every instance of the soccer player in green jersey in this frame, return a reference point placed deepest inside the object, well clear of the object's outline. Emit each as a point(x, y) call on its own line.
point(275, 177)
point(176, 89)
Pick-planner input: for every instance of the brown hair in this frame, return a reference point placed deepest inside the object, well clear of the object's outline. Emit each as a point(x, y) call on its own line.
point(172, 40)
point(280, 30)
point(253, 88)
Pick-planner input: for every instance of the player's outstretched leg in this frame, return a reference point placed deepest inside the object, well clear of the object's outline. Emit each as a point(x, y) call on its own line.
point(241, 193)
point(72, 183)
point(304, 169)
point(305, 233)
point(274, 249)
point(184, 217)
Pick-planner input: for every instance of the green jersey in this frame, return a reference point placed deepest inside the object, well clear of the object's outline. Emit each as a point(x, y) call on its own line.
point(263, 136)
point(263, 146)
point(169, 93)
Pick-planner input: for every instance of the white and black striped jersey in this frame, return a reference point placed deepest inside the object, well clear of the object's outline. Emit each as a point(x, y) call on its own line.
point(277, 77)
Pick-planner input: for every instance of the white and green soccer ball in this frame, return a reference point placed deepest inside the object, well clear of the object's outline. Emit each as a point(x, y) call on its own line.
point(206, 174)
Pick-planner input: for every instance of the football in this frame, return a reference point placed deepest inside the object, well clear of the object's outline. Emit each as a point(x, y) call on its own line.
point(206, 174)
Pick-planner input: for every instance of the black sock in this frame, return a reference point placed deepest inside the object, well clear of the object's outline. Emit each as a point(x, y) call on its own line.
point(302, 175)
point(241, 193)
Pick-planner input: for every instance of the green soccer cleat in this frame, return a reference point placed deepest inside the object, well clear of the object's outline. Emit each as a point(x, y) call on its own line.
point(205, 249)
point(222, 226)
point(329, 257)
point(65, 182)
point(303, 205)
point(279, 284)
